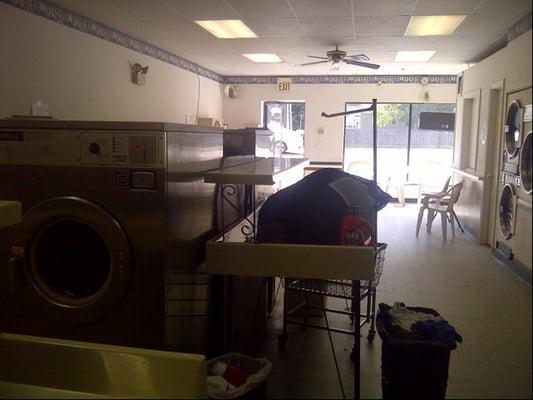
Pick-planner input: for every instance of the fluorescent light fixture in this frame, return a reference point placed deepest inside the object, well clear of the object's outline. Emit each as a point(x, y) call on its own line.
point(414, 55)
point(227, 29)
point(263, 58)
point(433, 25)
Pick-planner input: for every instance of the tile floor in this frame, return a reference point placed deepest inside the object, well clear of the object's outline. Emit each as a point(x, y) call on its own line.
point(489, 307)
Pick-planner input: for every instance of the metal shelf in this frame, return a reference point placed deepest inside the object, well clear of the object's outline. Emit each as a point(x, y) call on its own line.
point(263, 171)
point(233, 256)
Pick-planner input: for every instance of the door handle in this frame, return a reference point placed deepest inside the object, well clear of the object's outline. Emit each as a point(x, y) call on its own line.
point(14, 263)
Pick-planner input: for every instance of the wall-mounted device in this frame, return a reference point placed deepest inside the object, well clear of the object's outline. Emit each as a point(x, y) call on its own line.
point(138, 74)
point(231, 91)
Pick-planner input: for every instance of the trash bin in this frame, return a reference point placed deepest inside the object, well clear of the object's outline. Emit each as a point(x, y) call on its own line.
point(256, 371)
point(412, 368)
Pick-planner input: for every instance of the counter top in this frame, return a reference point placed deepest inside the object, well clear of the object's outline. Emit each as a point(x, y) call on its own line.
point(10, 213)
point(36, 123)
point(259, 172)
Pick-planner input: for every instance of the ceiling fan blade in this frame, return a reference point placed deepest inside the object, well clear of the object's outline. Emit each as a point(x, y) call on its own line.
point(358, 57)
point(320, 58)
point(311, 63)
point(361, 64)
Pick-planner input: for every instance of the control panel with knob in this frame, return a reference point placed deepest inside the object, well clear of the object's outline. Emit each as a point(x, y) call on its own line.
point(119, 148)
point(94, 148)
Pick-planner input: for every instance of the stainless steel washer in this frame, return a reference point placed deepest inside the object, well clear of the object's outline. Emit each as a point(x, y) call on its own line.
point(111, 210)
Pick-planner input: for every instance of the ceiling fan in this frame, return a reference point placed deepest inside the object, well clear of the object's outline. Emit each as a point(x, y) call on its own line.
point(337, 56)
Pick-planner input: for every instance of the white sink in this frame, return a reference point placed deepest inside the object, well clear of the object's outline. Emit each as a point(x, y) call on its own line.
point(37, 367)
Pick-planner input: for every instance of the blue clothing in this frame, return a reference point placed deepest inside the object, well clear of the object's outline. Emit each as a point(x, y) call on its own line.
point(438, 330)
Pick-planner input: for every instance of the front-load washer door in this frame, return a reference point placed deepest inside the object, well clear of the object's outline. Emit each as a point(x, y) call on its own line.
point(508, 204)
point(526, 163)
point(77, 257)
point(513, 128)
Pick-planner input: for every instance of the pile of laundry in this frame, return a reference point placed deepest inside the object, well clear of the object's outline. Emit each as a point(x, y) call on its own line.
point(417, 323)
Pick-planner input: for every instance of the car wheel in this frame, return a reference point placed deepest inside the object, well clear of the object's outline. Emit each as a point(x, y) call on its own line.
point(280, 146)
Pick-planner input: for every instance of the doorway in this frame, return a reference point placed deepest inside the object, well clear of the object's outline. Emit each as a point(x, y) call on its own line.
point(415, 146)
point(286, 119)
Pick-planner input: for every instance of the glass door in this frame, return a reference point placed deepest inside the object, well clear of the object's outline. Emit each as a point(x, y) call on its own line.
point(393, 132)
point(414, 146)
point(431, 144)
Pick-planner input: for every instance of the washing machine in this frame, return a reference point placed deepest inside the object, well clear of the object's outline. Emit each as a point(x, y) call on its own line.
point(111, 244)
point(515, 186)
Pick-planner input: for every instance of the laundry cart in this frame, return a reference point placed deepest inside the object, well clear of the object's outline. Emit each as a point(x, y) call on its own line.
point(237, 253)
point(340, 289)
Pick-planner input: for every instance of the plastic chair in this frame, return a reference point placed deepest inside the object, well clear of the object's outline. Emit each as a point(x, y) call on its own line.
point(398, 183)
point(431, 198)
point(445, 208)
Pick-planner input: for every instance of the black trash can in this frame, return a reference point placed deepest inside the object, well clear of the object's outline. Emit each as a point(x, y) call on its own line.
point(412, 368)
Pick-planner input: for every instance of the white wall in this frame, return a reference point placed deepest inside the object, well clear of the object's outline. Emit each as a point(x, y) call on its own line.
point(512, 67)
point(82, 77)
point(330, 98)
point(512, 64)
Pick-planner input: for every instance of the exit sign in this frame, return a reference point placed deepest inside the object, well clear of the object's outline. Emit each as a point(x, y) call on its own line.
point(284, 84)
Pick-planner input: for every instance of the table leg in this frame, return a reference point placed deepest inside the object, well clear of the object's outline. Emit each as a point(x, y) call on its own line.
point(356, 304)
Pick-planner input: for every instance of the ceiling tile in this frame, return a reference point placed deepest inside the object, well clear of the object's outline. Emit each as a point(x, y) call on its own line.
point(383, 7)
point(327, 26)
point(454, 56)
point(203, 59)
point(181, 47)
point(203, 9)
point(454, 42)
point(147, 10)
point(296, 28)
point(519, 7)
point(322, 8)
point(290, 44)
point(445, 7)
point(393, 25)
point(379, 56)
point(276, 27)
point(487, 24)
point(329, 42)
point(240, 46)
point(262, 8)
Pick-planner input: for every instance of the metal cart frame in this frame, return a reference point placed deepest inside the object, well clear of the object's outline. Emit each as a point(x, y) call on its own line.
point(336, 288)
point(341, 289)
point(230, 259)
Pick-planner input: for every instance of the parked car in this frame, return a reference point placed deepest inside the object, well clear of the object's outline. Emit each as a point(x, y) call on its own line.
point(286, 141)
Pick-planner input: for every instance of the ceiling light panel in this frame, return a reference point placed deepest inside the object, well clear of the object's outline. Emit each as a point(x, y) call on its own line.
point(433, 25)
point(403, 56)
point(227, 29)
point(263, 57)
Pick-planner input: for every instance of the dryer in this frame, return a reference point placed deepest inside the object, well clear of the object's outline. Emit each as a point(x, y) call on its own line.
point(115, 220)
point(514, 187)
point(526, 155)
point(512, 137)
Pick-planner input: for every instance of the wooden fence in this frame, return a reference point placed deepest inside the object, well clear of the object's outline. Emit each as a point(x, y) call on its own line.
point(397, 137)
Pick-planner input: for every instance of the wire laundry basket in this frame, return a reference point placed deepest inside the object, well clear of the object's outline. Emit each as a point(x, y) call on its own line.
point(342, 288)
